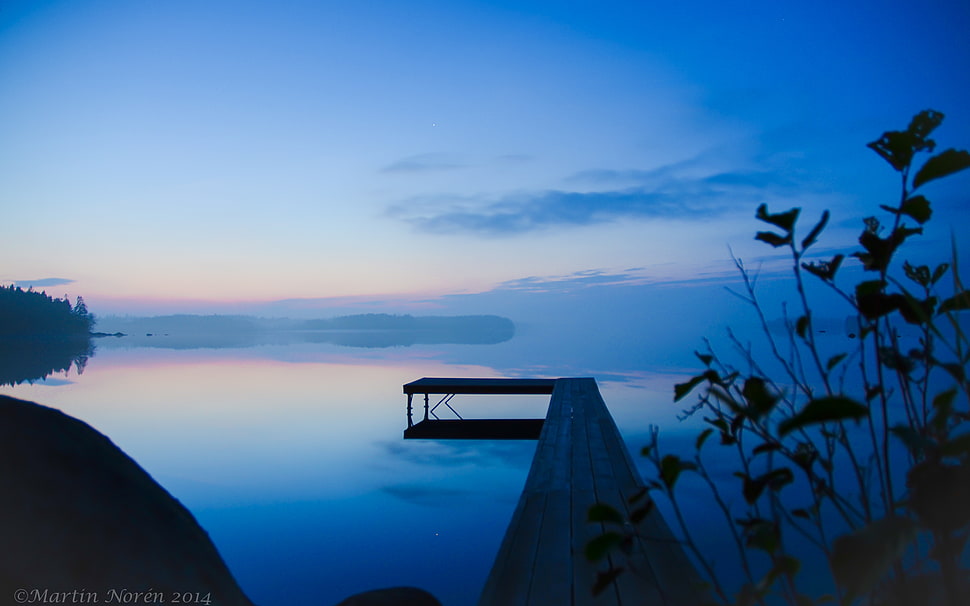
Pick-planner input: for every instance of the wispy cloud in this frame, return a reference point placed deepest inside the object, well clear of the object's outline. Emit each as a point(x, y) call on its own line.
point(42, 282)
point(576, 280)
point(675, 191)
point(521, 213)
point(422, 163)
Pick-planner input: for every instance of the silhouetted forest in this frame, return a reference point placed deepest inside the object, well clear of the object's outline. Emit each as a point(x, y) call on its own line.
point(495, 324)
point(28, 313)
point(41, 335)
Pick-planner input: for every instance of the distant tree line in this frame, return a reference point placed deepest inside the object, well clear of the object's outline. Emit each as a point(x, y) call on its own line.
point(409, 322)
point(28, 313)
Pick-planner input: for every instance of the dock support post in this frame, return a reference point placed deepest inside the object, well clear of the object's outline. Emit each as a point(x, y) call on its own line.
point(425, 407)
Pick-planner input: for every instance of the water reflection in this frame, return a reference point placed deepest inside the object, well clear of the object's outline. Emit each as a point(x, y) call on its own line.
point(292, 459)
point(29, 359)
point(291, 455)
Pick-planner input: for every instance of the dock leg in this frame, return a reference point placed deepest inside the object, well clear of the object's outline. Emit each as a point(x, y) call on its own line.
point(425, 407)
point(410, 422)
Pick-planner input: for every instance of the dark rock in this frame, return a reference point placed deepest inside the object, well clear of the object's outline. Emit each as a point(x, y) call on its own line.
point(78, 515)
point(392, 596)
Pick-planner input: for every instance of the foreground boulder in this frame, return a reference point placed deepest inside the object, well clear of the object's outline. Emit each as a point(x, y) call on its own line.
point(79, 519)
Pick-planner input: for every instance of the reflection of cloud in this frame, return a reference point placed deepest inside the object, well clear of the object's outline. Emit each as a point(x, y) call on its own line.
point(54, 382)
point(423, 494)
point(454, 453)
point(421, 163)
point(42, 282)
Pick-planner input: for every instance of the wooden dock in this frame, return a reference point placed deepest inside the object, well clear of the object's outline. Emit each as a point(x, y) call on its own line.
point(476, 429)
point(581, 460)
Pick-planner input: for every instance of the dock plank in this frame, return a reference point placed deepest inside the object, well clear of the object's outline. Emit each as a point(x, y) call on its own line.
point(448, 385)
point(581, 460)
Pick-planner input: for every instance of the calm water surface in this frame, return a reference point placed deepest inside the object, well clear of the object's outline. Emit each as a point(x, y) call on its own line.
point(292, 457)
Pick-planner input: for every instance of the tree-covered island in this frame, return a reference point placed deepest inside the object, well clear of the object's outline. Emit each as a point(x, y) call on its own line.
point(41, 335)
point(29, 313)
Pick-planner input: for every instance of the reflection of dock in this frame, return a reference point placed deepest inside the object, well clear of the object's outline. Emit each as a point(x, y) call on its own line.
point(580, 460)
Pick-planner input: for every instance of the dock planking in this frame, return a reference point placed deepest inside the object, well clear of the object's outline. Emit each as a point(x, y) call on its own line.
point(581, 460)
point(445, 385)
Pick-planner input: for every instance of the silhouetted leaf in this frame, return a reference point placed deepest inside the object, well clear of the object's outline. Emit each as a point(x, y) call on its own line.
point(958, 302)
point(879, 251)
point(916, 311)
point(920, 274)
point(943, 164)
point(862, 558)
point(752, 488)
point(605, 579)
point(766, 447)
point(956, 371)
point(801, 513)
point(801, 326)
point(670, 468)
point(763, 535)
point(637, 515)
point(895, 147)
point(760, 400)
point(779, 478)
point(598, 547)
point(705, 359)
point(773, 238)
point(878, 304)
point(638, 495)
point(834, 361)
point(955, 447)
point(917, 207)
point(786, 565)
point(785, 220)
point(824, 269)
point(893, 359)
point(944, 400)
point(600, 512)
point(702, 437)
point(682, 389)
point(916, 444)
point(923, 124)
point(823, 410)
point(939, 272)
point(813, 235)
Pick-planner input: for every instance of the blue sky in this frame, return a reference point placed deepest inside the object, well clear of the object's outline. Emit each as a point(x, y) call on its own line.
point(227, 156)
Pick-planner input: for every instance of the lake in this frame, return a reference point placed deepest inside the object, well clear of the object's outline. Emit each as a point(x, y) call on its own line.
point(291, 455)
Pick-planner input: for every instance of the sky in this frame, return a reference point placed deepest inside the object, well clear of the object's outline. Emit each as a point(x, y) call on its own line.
point(300, 158)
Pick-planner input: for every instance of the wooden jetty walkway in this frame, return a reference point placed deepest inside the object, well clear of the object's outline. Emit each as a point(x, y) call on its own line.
point(580, 460)
point(482, 429)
